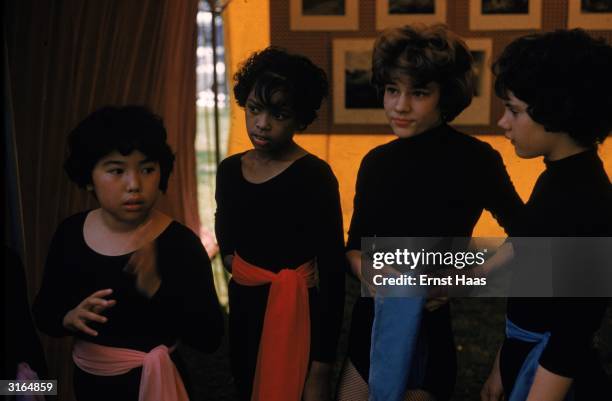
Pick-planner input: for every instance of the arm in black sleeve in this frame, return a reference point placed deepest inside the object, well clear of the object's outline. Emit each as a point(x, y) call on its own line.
point(361, 206)
point(53, 300)
point(500, 197)
point(223, 214)
point(190, 279)
point(331, 266)
point(574, 322)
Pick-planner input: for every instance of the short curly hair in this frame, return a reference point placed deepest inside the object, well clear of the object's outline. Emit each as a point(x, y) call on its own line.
point(426, 54)
point(565, 78)
point(274, 70)
point(123, 129)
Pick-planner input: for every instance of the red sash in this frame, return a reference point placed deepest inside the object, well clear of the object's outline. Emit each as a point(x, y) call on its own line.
point(284, 349)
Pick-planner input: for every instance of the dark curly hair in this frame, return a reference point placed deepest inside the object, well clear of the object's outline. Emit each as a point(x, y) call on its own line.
point(123, 129)
point(565, 78)
point(274, 70)
point(426, 54)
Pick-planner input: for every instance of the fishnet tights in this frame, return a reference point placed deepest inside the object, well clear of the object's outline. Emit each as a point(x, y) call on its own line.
point(352, 387)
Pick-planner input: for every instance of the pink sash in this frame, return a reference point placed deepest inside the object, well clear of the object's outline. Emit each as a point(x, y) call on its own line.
point(160, 381)
point(24, 372)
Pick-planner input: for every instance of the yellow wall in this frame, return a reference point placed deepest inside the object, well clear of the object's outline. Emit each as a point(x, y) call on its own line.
point(248, 29)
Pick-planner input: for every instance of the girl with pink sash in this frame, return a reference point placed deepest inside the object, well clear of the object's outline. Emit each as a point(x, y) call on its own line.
point(278, 208)
point(126, 280)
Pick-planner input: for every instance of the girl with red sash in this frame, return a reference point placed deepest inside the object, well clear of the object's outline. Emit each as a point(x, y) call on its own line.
point(125, 280)
point(279, 227)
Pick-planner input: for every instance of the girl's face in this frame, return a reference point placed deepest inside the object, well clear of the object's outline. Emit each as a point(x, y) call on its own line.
point(270, 128)
point(411, 111)
point(126, 186)
point(529, 138)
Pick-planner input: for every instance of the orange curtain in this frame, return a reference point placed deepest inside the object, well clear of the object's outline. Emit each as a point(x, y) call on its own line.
point(68, 58)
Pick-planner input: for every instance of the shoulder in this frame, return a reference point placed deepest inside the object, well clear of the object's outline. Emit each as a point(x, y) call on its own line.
point(315, 165)
point(472, 149)
point(179, 236)
point(72, 224)
point(230, 163)
point(312, 174)
point(381, 153)
point(468, 142)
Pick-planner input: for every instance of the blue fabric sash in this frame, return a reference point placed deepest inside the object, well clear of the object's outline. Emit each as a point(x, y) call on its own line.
point(526, 375)
point(398, 352)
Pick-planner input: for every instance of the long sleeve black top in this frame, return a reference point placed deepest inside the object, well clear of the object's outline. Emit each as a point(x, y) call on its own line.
point(184, 308)
point(433, 184)
point(282, 223)
point(571, 198)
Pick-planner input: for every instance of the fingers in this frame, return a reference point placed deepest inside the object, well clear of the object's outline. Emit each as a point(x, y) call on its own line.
point(81, 326)
point(89, 311)
point(96, 303)
point(102, 307)
point(101, 293)
point(488, 393)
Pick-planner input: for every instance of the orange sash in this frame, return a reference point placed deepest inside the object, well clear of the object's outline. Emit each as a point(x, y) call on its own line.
point(160, 381)
point(284, 349)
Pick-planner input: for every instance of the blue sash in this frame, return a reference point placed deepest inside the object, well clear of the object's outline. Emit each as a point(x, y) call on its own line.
point(526, 375)
point(398, 352)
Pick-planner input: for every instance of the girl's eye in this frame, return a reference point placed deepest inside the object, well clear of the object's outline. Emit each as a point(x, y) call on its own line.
point(116, 171)
point(252, 109)
point(420, 94)
point(280, 116)
point(512, 111)
point(148, 170)
point(391, 89)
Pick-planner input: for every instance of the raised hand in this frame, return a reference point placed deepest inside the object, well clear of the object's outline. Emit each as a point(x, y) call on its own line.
point(89, 310)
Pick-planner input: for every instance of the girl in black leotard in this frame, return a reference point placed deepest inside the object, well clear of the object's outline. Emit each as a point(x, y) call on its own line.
point(278, 213)
point(125, 280)
point(557, 91)
point(430, 181)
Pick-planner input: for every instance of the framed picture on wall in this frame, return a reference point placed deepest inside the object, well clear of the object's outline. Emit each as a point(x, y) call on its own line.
point(355, 100)
point(479, 111)
point(590, 14)
point(505, 15)
point(392, 13)
point(324, 15)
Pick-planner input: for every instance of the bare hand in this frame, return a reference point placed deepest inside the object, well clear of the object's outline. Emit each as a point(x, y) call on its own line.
point(143, 264)
point(89, 310)
point(318, 382)
point(493, 389)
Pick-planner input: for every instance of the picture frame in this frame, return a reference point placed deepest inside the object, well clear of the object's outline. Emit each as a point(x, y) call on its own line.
point(324, 15)
point(479, 111)
point(495, 15)
point(355, 100)
point(589, 14)
point(396, 13)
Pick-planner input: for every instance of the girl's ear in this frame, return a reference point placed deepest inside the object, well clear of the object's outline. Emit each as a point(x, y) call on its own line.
point(89, 187)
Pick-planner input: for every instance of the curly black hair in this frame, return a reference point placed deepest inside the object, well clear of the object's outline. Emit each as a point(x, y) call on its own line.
point(274, 70)
point(426, 54)
point(123, 129)
point(565, 78)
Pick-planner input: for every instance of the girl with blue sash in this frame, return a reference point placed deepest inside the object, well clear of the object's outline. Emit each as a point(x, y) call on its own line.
point(431, 181)
point(557, 92)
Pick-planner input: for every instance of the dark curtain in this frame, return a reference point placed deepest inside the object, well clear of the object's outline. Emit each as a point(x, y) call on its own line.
point(68, 58)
